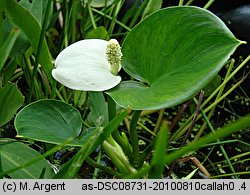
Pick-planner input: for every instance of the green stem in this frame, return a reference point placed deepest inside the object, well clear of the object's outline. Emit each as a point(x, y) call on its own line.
point(91, 16)
point(73, 21)
point(234, 127)
point(213, 131)
point(146, 129)
point(217, 97)
point(114, 18)
point(103, 168)
point(185, 126)
point(65, 24)
point(138, 13)
point(159, 120)
point(189, 2)
point(228, 142)
point(187, 123)
point(117, 156)
point(113, 145)
point(209, 3)
point(181, 2)
point(41, 40)
point(230, 174)
point(134, 136)
point(95, 174)
point(109, 17)
point(116, 135)
point(139, 174)
point(240, 155)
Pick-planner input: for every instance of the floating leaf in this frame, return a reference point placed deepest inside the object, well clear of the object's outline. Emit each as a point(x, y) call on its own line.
point(174, 53)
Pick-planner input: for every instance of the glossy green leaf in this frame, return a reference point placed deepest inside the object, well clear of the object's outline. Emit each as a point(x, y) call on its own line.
point(54, 122)
point(14, 154)
point(174, 53)
point(11, 100)
point(19, 16)
point(49, 121)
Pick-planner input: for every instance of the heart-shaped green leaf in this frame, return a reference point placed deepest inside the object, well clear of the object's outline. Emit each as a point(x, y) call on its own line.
point(174, 53)
point(49, 121)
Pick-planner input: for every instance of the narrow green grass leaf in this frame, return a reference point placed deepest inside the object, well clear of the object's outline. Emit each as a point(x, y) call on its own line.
point(161, 144)
point(234, 127)
point(71, 168)
point(190, 175)
point(5, 49)
point(134, 137)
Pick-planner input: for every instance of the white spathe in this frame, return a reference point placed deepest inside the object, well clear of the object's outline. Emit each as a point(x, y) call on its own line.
point(83, 66)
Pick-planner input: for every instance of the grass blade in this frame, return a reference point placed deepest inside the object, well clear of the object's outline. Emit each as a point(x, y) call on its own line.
point(7, 46)
point(238, 125)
